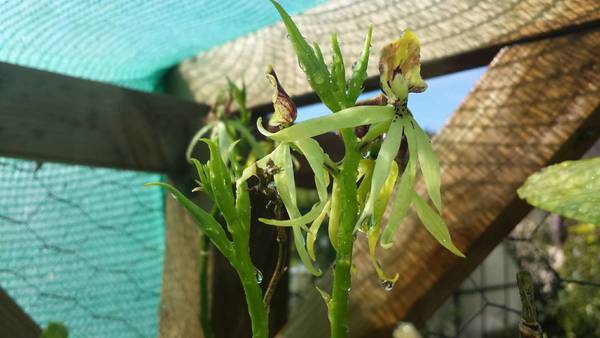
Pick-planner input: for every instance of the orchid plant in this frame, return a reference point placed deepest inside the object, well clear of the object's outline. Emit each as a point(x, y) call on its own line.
point(352, 193)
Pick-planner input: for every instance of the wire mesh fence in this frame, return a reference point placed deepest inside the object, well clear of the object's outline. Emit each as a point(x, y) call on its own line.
point(563, 257)
point(82, 246)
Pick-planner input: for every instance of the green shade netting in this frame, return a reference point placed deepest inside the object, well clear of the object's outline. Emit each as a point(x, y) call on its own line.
point(84, 245)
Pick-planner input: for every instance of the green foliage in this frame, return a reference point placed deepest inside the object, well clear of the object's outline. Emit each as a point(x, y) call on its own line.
point(330, 86)
point(361, 187)
point(570, 189)
point(579, 305)
point(55, 330)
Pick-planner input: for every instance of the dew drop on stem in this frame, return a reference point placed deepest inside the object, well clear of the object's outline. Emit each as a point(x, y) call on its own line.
point(259, 276)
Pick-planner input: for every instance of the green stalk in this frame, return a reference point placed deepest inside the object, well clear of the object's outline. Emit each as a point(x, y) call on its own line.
point(338, 304)
point(259, 314)
point(204, 309)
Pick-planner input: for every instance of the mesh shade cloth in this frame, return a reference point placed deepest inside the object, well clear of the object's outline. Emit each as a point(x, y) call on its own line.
point(85, 245)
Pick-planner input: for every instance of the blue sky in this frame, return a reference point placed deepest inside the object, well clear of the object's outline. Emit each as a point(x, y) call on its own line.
point(431, 108)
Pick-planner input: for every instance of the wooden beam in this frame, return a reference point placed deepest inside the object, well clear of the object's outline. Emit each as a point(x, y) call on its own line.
point(537, 104)
point(51, 117)
point(455, 35)
point(14, 322)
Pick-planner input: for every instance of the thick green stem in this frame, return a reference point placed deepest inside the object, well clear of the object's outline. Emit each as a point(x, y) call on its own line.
point(338, 304)
point(259, 314)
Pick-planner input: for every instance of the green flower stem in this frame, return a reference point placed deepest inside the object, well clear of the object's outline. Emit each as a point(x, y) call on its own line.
point(338, 304)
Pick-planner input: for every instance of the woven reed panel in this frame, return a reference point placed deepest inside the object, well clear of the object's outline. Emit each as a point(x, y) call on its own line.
point(530, 101)
point(445, 28)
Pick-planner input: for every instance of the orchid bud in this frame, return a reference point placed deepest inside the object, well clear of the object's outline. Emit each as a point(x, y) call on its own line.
point(400, 68)
point(285, 109)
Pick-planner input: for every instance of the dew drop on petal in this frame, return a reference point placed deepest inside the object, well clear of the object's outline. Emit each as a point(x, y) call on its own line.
point(388, 285)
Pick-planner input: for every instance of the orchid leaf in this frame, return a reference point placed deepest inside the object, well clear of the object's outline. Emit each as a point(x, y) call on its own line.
point(434, 224)
point(220, 182)
point(197, 137)
point(347, 118)
point(221, 136)
point(429, 166)
point(570, 189)
point(207, 224)
point(316, 71)
point(247, 136)
point(359, 74)
point(338, 72)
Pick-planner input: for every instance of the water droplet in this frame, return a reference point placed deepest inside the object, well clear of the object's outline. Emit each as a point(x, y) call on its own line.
point(259, 276)
point(174, 197)
point(388, 285)
point(319, 79)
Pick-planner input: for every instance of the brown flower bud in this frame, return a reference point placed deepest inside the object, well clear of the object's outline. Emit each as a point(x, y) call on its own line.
point(284, 108)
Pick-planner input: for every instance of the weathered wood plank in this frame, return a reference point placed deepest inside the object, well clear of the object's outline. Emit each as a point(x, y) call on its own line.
point(51, 117)
point(180, 289)
point(537, 104)
point(14, 322)
point(455, 35)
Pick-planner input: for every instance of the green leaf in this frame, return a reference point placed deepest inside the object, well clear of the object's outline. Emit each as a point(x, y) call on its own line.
point(247, 136)
point(221, 137)
point(239, 95)
point(312, 65)
point(220, 182)
point(429, 166)
point(55, 330)
point(570, 189)
point(338, 72)
point(242, 205)
point(207, 224)
point(435, 225)
point(196, 138)
point(359, 74)
point(383, 164)
point(347, 118)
